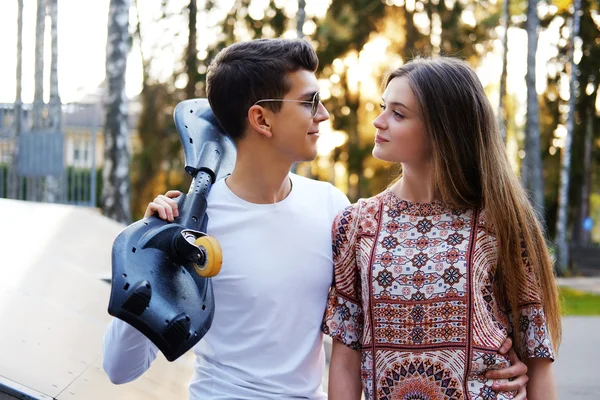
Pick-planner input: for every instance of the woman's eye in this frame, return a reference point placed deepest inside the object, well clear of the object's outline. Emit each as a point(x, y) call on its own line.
point(382, 106)
point(398, 115)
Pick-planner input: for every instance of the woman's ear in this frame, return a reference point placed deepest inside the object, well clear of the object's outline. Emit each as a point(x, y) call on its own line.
point(258, 118)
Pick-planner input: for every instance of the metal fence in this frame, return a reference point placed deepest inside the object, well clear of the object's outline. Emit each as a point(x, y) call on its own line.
point(47, 165)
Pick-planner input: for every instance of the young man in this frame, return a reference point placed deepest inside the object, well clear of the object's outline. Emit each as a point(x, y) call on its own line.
point(275, 232)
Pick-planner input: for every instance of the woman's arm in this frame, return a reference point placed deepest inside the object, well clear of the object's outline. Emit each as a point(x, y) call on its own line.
point(541, 385)
point(344, 373)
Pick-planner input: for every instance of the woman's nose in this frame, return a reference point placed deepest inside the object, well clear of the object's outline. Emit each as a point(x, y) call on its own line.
point(379, 122)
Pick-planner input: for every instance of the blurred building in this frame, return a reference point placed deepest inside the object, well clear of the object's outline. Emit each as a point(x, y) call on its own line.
point(67, 156)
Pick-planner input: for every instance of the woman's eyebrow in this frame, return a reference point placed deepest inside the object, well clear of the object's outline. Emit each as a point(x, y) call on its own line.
point(396, 103)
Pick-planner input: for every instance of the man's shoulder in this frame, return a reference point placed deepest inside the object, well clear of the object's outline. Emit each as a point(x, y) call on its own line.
point(308, 182)
point(323, 190)
point(311, 184)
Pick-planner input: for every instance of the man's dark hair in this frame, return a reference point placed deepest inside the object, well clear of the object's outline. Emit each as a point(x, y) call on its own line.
point(246, 72)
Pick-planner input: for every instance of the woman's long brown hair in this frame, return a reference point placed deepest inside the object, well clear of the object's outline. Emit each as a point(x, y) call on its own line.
point(472, 170)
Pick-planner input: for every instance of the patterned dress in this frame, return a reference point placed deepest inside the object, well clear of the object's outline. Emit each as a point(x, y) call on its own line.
point(414, 291)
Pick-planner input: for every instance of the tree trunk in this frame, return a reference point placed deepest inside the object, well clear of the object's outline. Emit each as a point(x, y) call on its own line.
point(581, 236)
point(191, 55)
point(145, 60)
point(501, 111)
point(353, 145)
point(300, 18)
point(565, 167)
point(18, 99)
point(55, 104)
point(38, 97)
point(52, 192)
point(14, 184)
point(532, 166)
point(116, 180)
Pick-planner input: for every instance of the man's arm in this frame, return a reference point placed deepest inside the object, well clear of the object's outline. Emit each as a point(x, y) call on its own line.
point(517, 370)
point(344, 373)
point(126, 353)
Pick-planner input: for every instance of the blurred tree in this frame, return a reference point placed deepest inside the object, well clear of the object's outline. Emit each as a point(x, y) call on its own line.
point(581, 235)
point(156, 131)
point(415, 28)
point(583, 175)
point(343, 33)
point(565, 170)
point(586, 161)
point(531, 167)
point(191, 54)
point(52, 191)
point(116, 180)
point(38, 96)
point(158, 166)
point(300, 18)
point(15, 186)
point(18, 100)
point(55, 104)
point(502, 115)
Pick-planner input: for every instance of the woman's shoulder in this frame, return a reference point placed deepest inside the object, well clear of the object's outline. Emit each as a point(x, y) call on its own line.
point(362, 215)
point(363, 206)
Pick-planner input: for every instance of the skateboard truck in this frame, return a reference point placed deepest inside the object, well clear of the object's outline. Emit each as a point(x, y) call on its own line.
point(161, 271)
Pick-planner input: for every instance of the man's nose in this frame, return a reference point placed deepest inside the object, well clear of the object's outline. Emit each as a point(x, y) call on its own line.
point(322, 113)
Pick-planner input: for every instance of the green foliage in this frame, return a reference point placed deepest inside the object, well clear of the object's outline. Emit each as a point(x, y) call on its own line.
point(345, 30)
point(347, 26)
point(158, 166)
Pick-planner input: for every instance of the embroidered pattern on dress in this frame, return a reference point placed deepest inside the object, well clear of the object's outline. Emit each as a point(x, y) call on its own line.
point(414, 291)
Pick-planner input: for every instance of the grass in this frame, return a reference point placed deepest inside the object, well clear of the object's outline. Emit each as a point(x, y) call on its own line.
point(576, 302)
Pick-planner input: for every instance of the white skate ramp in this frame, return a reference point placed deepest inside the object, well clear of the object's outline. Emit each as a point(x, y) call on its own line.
point(53, 308)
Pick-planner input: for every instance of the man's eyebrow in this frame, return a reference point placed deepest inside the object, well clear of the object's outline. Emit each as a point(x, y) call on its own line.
point(308, 96)
point(397, 104)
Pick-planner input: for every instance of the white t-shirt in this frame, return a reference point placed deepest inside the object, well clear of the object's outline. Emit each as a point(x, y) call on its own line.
point(265, 340)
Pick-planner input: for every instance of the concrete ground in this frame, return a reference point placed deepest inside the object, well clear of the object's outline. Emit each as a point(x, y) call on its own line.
point(576, 368)
point(53, 308)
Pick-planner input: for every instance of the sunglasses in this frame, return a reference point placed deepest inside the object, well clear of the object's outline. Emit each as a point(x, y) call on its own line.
point(314, 103)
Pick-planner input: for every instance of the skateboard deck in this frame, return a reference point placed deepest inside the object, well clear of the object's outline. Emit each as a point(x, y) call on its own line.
point(161, 271)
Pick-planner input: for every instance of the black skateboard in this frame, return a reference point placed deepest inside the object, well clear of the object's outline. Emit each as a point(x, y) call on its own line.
point(161, 271)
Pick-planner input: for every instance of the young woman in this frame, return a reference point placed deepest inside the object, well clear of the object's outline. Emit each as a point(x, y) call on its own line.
point(434, 273)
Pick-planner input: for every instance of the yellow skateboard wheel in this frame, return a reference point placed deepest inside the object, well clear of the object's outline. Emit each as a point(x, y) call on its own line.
point(214, 257)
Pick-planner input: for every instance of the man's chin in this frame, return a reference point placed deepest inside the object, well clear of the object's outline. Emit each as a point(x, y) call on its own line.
point(308, 155)
point(311, 156)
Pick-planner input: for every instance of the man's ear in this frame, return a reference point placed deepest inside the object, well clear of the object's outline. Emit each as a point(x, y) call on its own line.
point(258, 118)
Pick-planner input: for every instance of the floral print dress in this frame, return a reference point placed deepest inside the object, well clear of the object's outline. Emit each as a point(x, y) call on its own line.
point(414, 291)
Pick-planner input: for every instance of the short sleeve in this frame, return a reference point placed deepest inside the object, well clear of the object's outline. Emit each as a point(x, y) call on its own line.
point(339, 200)
point(343, 318)
point(533, 333)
